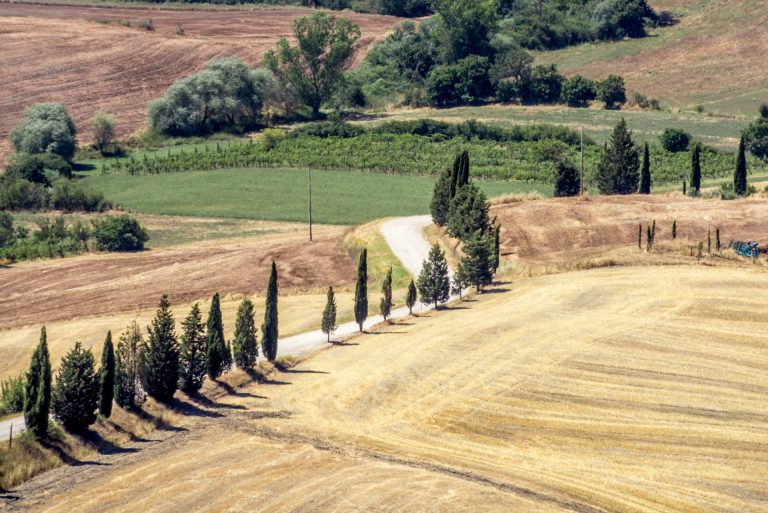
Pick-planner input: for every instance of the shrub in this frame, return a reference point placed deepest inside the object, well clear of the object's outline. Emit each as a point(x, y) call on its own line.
point(72, 196)
point(147, 25)
point(567, 180)
point(616, 19)
point(544, 86)
point(20, 194)
point(12, 395)
point(271, 137)
point(612, 92)
point(578, 91)
point(763, 110)
point(119, 233)
point(467, 81)
point(675, 140)
point(756, 138)
point(39, 168)
point(7, 235)
point(47, 128)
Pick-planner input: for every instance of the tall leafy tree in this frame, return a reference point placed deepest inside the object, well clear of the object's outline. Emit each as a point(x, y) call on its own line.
point(161, 358)
point(465, 27)
point(386, 299)
point(645, 173)
point(740, 175)
point(434, 282)
point(328, 324)
point(468, 212)
point(245, 350)
point(107, 377)
point(215, 347)
point(76, 393)
point(476, 267)
point(37, 392)
point(314, 68)
point(695, 171)
point(410, 298)
point(441, 198)
point(128, 363)
point(269, 328)
point(617, 172)
point(361, 290)
point(192, 353)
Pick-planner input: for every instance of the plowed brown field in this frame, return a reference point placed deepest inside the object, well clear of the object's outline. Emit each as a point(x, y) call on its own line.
point(69, 54)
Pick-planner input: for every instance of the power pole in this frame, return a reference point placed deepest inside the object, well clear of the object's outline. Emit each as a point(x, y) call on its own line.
point(309, 203)
point(581, 174)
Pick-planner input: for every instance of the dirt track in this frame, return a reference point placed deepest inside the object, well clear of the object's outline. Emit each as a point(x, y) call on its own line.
point(69, 54)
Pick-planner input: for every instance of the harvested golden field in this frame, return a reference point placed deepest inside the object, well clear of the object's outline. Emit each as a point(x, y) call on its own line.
point(565, 229)
point(628, 389)
point(714, 57)
point(85, 59)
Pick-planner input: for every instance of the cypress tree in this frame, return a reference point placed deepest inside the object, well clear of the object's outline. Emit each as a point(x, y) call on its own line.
point(709, 240)
point(192, 353)
point(386, 300)
point(717, 239)
point(496, 248)
point(161, 357)
point(37, 392)
point(740, 175)
point(328, 324)
point(410, 299)
point(684, 190)
point(468, 213)
point(107, 377)
point(640, 235)
point(674, 229)
point(648, 239)
point(441, 197)
point(244, 348)
point(695, 171)
point(75, 397)
point(434, 283)
point(462, 174)
point(128, 358)
point(361, 290)
point(215, 348)
point(475, 268)
point(617, 172)
point(455, 171)
point(645, 173)
point(269, 328)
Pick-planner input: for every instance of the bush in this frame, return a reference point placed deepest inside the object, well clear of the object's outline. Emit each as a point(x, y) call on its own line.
point(71, 196)
point(271, 137)
point(612, 92)
point(756, 138)
point(47, 128)
point(763, 110)
point(7, 235)
point(617, 19)
point(39, 168)
point(12, 395)
point(467, 81)
point(119, 233)
point(544, 86)
point(578, 91)
point(675, 140)
point(20, 194)
point(225, 96)
point(567, 180)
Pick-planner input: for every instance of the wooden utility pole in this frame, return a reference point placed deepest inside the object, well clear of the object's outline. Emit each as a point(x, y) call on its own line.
point(581, 173)
point(309, 203)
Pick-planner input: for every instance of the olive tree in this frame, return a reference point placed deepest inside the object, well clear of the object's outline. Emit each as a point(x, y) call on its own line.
point(103, 130)
point(47, 128)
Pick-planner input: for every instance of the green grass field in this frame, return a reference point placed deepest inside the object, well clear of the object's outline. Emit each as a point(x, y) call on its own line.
point(338, 197)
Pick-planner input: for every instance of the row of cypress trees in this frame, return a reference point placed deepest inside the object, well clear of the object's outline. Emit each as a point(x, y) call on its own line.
point(157, 366)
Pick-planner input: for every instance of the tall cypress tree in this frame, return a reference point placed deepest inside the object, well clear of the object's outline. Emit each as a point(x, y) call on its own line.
point(75, 398)
point(455, 172)
point(161, 358)
point(192, 353)
point(475, 268)
point(269, 328)
point(468, 213)
point(617, 172)
point(441, 198)
point(695, 187)
point(386, 291)
point(128, 357)
point(410, 298)
point(674, 229)
point(328, 324)
point(37, 392)
point(361, 290)
point(107, 377)
point(215, 347)
point(462, 172)
point(245, 350)
point(434, 283)
point(496, 248)
point(645, 173)
point(740, 175)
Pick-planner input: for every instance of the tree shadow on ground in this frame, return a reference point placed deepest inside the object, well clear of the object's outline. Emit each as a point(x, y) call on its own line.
point(191, 410)
point(230, 390)
point(304, 371)
point(501, 290)
point(56, 447)
point(133, 436)
point(210, 403)
point(261, 379)
point(342, 343)
point(387, 332)
point(156, 421)
point(101, 444)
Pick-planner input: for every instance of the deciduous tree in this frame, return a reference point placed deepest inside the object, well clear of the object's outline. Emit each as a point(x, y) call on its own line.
point(103, 130)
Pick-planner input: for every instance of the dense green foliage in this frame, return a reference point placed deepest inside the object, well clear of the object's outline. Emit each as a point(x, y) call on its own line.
point(361, 289)
point(578, 91)
point(434, 283)
point(128, 365)
point(20, 193)
point(225, 96)
point(50, 240)
point(410, 298)
point(612, 92)
point(468, 213)
point(476, 266)
point(75, 397)
point(269, 330)
point(675, 140)
point(244, 348)
point(328, 324)
point(107, 377)
point(618, 169)
point(567, 180)
point(47, 128)
point(385, 305)
point(695, 182)
point(12, 395)
point(192, 352)
point(756, 137)
point(160, 375)
point(119, 233)
point(215, 345)
point(645, 172)
point(37, 392)
point(103, 128)
point(740, 174)
point(42, 168)
point(464, 82)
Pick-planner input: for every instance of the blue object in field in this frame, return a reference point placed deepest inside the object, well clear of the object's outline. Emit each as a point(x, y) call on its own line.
point(746, 249)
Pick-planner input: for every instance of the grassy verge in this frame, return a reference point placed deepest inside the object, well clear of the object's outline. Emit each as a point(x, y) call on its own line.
point(338, 197)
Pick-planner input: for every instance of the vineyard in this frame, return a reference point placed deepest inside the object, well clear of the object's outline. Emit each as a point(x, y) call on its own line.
point(526, 161)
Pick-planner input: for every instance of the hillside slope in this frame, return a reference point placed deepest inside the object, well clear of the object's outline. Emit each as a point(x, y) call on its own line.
point(714, 56)
point(632, 390)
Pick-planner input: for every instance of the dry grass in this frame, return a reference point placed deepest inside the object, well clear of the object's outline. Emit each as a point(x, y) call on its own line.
point(632, 390)
point(506, 199)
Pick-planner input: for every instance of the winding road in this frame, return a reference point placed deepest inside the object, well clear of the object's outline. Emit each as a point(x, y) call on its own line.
point(405, 237)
